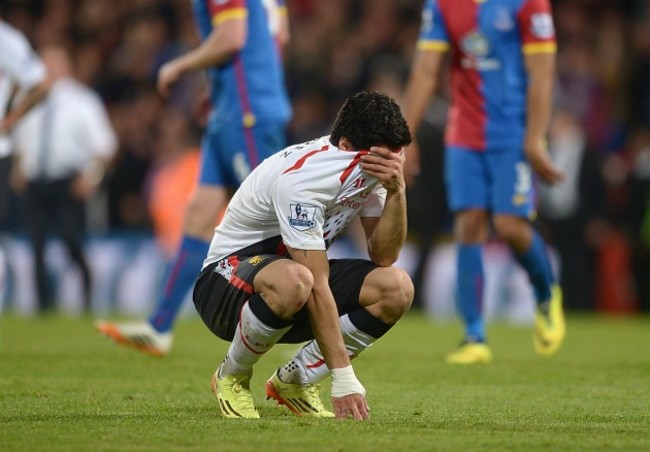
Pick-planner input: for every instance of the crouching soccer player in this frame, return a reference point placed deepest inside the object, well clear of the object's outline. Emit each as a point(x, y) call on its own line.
point(267, 278)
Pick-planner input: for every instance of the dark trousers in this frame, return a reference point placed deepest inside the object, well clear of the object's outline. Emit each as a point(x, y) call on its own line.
point(5, 168)
point(50, 207)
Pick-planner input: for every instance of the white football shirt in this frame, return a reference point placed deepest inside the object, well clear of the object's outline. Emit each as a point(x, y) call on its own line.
point(303, 196)
point(60, 136)
point(19, 66)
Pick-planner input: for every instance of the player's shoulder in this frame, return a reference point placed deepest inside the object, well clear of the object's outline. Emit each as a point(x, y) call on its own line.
point(295, 156)
point(312, 163)
point(11, 38)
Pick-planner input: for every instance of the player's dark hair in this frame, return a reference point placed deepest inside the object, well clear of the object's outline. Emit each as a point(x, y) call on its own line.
point(371, 119)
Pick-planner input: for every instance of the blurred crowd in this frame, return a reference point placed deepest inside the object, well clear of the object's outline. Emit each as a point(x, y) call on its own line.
point(599, 220)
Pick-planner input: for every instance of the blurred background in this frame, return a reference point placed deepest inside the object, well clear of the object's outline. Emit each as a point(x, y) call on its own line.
point(597, 222)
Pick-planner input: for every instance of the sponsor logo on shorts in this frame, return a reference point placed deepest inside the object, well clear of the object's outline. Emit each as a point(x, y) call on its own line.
point(256, 260)
point(224, 268)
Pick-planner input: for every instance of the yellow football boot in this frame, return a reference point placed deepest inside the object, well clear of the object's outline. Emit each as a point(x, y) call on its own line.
point(550, 326)
point(303, 400)
point(234, 396)
point(470, 353)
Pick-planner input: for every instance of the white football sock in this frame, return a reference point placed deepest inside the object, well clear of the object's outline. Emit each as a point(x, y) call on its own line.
point(308, 366)
point(252, 339)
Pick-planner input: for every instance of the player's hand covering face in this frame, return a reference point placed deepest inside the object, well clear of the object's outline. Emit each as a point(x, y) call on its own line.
point(387, 166)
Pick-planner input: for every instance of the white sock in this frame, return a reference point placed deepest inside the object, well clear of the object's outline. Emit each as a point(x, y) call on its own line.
point(308, 366)
point(252, 339)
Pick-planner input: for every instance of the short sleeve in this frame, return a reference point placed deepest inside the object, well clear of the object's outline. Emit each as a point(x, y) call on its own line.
point(433, 33)
point(223, 10)
point(301, 215)
point(25, 68)
point(536, 25)
point(374, 205)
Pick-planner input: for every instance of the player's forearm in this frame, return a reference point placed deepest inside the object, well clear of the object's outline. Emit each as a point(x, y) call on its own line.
point(205, 56)
point(33, 97)
point(324, 319)
point(284, 32)
point(222, 44)
point(389, 235)
point(539, 97)
point(321, 306)
point(422, 84)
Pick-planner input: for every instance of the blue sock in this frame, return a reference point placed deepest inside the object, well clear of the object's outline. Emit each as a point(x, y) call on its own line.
point(181, 274)
point(536, 263)
point(470, 290)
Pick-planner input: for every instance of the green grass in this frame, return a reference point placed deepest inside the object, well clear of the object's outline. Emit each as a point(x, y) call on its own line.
point(63, 387)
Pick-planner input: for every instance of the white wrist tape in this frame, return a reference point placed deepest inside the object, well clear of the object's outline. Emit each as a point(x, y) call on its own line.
point(344, 382)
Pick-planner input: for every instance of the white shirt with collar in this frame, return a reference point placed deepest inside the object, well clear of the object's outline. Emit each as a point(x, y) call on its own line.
point(60, 136)
point(20, 68)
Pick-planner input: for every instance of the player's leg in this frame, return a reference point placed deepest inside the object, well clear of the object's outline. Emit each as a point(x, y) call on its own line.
point(228, 158)
point(370, 301)
point(250, 303)
point(72, 223)
point(38, 219)
point(201, 214)
point(513, 205)
point(154, 336)
point(467, 191)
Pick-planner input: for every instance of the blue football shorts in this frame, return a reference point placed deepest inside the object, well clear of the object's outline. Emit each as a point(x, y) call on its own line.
point(229, 155)
point(498, 181)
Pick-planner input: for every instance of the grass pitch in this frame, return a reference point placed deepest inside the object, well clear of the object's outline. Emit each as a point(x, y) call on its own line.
point(64, 387)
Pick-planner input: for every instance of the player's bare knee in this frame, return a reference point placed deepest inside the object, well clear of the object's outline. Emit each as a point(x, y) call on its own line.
point(395, 291)
point(199, 219)
point(471, 226)
point(297, 283)
point(509, 229)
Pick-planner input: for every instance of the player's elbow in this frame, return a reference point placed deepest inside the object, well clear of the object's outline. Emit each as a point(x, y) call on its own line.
point(234, 45)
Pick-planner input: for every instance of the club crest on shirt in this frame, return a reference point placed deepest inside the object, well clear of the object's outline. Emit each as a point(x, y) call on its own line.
point(302, 216)
point(476, 49)
point(475, 44)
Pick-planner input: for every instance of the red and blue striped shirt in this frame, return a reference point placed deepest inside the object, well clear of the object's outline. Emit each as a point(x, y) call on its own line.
point(488, 40)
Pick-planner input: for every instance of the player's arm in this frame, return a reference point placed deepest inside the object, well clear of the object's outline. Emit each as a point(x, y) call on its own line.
point(422, 84)
point(541, 71)
point(284, 33)
point(386, 234)
point(228, 38)
point(348, 396)
point(33, 96)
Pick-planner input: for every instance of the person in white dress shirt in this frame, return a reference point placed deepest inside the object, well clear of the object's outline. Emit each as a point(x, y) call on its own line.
point(62, 147)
